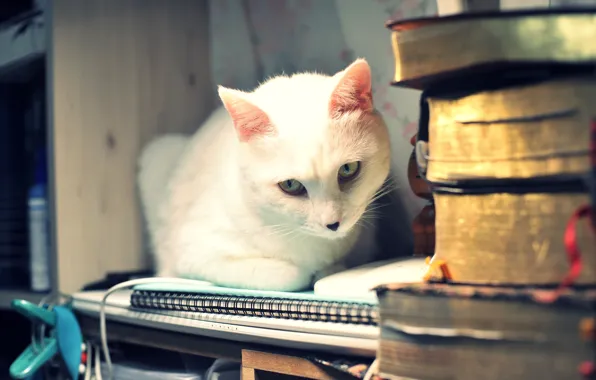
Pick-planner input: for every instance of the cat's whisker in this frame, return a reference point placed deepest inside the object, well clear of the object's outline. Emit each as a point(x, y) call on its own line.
point(275, 228)
point(285, 231)
point(281, 230)
point(295, 236)
point(292, 234)
point(388, 187)
point(370, 217)
point(385, 190)
point(372, 213)
point(378, 196)
point(288, 233)
point(365, 223)
point(376, 207)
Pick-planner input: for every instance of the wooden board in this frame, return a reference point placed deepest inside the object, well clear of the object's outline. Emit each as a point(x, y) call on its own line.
point(121, 72)
point(255, 361)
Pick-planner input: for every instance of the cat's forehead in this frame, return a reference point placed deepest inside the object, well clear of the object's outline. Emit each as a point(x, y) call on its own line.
point(288, 103)
point(297, 83)
point(298, 106)
point(308, 145)
point(312, 157)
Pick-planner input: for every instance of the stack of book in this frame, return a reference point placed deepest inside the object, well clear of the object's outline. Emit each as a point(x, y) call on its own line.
point(504, 142)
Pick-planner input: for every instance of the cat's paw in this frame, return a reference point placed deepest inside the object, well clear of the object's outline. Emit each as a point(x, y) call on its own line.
point(271, 274)
point(328, 271)
point(253, 273)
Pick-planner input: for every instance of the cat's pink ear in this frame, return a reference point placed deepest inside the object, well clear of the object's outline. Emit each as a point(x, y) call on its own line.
point(353, 91)
point(249, 120)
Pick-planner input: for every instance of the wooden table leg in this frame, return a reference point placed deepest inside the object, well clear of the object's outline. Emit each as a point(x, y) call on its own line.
point(249, 373)
point(254, 362)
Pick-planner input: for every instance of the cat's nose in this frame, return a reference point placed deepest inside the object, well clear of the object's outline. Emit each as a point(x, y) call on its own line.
point(333, 226)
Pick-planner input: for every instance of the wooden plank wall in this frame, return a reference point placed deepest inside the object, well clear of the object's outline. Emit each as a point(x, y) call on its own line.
point(120, 73)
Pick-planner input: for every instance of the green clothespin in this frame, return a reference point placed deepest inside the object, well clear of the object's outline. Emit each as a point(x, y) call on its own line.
point(27, 364)
point(65, 340)
point(30, 361)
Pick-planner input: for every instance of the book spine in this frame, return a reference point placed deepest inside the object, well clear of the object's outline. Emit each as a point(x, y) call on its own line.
point(256, 307)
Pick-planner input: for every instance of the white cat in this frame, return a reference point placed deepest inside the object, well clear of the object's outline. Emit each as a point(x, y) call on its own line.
point(271, 189)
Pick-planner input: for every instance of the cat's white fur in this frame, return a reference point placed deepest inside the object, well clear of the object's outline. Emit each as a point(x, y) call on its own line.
point(212, 202)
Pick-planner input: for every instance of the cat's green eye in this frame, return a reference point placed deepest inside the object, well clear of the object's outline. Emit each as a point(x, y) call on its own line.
point(348, 171)
point(292, 187)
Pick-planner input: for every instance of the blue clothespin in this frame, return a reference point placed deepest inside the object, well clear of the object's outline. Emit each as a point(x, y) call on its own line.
point(65, 339)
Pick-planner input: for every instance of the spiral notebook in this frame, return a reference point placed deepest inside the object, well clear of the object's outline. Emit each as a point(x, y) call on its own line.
point(344, 297)
point(254, 303)
point(335, 338)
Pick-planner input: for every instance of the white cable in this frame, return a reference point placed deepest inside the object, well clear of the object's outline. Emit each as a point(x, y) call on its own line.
point(89, 361)
point(127, 285)
point(98, 366)
point(372, 370)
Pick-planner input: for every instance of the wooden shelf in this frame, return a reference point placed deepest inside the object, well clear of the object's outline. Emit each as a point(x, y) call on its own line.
point(7, 295)
point(18, 52)
point(118, 73)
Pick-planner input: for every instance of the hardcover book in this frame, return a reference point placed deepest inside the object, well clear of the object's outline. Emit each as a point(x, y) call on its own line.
point(513, 235)
point(431, 50)
point(444, 332)
point(522, 130)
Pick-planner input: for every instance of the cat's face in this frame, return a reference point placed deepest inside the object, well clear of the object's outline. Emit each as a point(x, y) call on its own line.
point(313, 150)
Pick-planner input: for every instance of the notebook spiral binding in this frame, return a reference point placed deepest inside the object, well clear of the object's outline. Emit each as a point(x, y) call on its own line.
point(338, 312)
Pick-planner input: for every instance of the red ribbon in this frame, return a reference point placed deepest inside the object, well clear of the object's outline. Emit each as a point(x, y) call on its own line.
point(573, 254)
point(588, 370)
